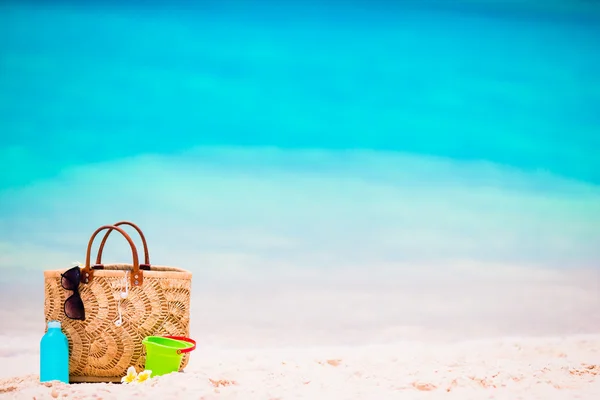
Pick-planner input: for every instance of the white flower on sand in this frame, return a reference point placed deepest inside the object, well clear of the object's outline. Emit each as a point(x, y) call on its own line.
point(144, 376)
point(133, 377)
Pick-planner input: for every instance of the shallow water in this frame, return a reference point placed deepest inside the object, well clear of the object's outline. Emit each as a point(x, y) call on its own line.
point(418, 149)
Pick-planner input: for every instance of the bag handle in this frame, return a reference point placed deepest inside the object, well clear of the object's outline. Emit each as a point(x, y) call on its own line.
point(146, 264)
point(137, 276)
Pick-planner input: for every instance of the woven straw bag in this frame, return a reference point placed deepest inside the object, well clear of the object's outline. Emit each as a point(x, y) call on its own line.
point(157, 303)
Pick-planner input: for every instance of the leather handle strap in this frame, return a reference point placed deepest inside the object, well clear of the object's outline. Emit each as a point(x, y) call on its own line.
point(137, 276)
point(146, 264)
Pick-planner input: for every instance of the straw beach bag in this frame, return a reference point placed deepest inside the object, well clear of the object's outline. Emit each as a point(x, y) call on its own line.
point(123, 303)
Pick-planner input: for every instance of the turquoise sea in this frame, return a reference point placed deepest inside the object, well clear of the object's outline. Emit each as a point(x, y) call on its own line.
point(307, 141)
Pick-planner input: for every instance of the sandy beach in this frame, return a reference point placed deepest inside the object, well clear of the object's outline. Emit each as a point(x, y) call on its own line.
point(377, 201)
point(510, 368)
point(493, 335)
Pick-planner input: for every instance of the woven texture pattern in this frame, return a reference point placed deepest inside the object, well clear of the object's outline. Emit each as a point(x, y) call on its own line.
point(99, 350)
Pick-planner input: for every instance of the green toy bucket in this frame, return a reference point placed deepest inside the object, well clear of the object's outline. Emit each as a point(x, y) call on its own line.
point(164, 353)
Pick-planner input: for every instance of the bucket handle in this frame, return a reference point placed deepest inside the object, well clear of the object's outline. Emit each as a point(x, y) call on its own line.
point(184, 339)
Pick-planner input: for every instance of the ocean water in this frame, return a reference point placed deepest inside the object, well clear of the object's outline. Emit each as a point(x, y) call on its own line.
point(363, 172)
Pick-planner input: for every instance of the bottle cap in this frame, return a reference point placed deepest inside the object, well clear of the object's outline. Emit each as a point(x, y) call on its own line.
point(54, 324)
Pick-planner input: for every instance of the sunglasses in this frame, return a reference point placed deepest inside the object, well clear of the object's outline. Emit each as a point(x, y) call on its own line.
point(73, 305)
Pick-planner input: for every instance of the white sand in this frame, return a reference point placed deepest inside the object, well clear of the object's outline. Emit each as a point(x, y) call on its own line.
point(510, 368)
point(515, 334)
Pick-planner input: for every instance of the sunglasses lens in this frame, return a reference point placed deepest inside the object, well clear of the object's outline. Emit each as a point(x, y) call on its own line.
point(74, 307)
point(70, 279)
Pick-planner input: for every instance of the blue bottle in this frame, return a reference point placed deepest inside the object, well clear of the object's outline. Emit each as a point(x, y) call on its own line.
point(54, 354)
